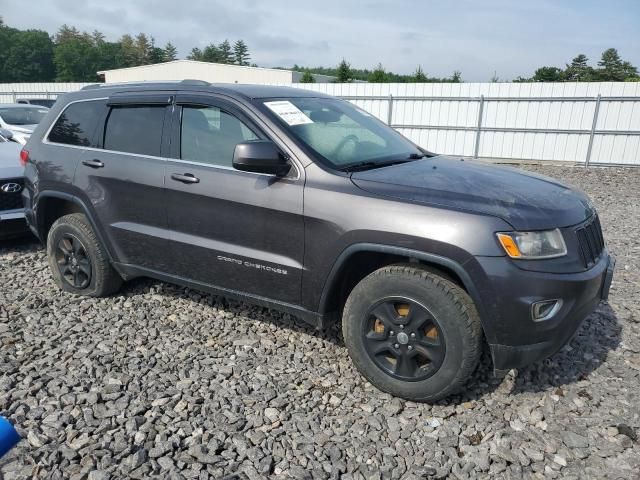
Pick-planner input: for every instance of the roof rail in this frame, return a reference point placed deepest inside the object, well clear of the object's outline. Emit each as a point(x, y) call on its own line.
point(92, 86)
point(189, 81)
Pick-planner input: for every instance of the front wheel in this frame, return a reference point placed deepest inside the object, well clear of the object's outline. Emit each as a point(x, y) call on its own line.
point(412, 333)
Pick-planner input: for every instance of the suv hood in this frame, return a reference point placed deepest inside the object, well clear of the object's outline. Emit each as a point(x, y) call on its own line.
point(22, 128)
point(525, 200)
point(10, 160)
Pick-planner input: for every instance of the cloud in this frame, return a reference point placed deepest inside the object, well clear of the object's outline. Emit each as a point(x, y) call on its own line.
point(512, 38)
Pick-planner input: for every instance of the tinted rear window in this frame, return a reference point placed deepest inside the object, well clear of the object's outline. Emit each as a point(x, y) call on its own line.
point(135, 129)
point(77, 124)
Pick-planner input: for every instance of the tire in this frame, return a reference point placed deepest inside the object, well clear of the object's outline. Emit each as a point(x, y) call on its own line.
point(442, 340)
point(72, 237)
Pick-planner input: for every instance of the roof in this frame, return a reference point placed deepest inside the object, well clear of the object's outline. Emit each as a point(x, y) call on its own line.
point(266, 91)
point(231, 89)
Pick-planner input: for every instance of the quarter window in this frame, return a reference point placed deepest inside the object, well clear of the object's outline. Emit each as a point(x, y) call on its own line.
point(210, 135)
point(135, 129)
point(77, 124)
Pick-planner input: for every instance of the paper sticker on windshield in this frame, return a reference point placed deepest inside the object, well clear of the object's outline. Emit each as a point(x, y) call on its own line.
point(288, 112)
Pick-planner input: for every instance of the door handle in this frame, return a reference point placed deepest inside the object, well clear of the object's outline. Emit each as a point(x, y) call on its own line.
point(185, 178)
point(93, 163)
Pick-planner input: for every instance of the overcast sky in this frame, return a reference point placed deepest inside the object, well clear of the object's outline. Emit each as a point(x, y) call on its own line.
point(510, 37)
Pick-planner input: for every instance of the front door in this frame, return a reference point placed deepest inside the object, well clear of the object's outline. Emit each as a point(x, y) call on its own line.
point(235, 230)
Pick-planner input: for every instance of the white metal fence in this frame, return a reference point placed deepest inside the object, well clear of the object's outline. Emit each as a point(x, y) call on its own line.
point(10, 92)
point(585, 123)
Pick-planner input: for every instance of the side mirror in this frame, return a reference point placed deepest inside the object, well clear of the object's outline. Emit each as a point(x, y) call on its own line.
point(260, 156)
point(8, 134)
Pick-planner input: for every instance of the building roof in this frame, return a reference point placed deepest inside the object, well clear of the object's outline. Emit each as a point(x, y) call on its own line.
point(194, 62)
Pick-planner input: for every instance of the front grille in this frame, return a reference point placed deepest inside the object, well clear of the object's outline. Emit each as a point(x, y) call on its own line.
point(591, 241)
point(13, 200)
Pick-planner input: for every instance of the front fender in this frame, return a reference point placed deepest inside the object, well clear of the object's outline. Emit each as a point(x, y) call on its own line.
point(469, 271)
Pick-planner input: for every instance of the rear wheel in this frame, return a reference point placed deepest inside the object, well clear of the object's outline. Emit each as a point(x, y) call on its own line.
point(412, 333)
point(77, 259)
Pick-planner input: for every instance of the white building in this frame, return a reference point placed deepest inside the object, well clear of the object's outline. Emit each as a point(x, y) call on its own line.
point(210, 72)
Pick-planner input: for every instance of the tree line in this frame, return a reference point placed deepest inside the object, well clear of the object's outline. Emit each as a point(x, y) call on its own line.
point(610, 68)
point(74, 56)
point(344, 73)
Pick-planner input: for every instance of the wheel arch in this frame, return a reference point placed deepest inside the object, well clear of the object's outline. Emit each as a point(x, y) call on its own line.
point(340, 278)
point(53, 205)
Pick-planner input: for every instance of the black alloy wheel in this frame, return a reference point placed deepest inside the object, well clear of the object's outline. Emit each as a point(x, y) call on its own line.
point(73, 261)
point(404, 339)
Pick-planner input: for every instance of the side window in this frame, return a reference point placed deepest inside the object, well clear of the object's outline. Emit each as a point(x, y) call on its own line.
point(134, 129)
point(77, 124)
point(210, 135)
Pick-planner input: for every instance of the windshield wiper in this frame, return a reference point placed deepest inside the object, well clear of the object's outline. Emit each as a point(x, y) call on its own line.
point(369, 165)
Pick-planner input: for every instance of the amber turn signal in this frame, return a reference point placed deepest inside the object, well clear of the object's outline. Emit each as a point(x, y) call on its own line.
point(509, 245)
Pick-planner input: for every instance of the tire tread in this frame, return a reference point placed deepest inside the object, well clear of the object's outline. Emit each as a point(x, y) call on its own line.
point(107, 280)
point(457, 296)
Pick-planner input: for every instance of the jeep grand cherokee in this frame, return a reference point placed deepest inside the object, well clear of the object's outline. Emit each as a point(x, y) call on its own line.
point(305, 203)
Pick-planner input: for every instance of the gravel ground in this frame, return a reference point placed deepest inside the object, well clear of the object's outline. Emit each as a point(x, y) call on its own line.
point(167, 382)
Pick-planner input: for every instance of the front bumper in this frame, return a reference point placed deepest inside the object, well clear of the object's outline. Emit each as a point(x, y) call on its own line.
point(516, 339)
point(12, 224)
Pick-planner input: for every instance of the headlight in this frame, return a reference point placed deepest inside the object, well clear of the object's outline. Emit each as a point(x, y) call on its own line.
point(533, 245)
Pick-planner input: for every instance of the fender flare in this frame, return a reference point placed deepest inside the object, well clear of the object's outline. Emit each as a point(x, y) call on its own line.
point(85, 209)
point(446, 262)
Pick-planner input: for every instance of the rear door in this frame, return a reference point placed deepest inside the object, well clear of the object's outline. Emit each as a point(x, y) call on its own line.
point(235, 230)
point(123, 178)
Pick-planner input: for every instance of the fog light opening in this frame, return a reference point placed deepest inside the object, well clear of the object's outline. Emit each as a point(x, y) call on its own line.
point(545, 309)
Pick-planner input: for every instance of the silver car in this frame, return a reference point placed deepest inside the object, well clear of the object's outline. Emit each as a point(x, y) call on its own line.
point(12, 222)
point(21, 119)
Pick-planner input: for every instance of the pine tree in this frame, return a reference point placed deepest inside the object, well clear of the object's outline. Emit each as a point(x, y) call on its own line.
point(226, 55)
point(307, 77)
point(65, 32)
point(419, 76)
point(379, 75)
point(128, 51)
point(98, 37)
point(344, 74)
point(456, 77)
point(614, 69)
point(212, 53)
point(579, 70)
point(195, 54)
point(143, 46)
point(548, 74)
point(241, 53)
point(170, 52)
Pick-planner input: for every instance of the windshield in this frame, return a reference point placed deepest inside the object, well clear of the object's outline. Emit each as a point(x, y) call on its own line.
point(22, 116)
point(342, 134)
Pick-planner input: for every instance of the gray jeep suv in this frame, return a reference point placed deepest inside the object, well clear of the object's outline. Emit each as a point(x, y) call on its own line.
point(302, 202)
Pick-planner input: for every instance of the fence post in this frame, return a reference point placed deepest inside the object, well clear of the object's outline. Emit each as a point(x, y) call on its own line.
point(13, 94)
point(596, 111)
point(390, 110)
point(479, 128)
